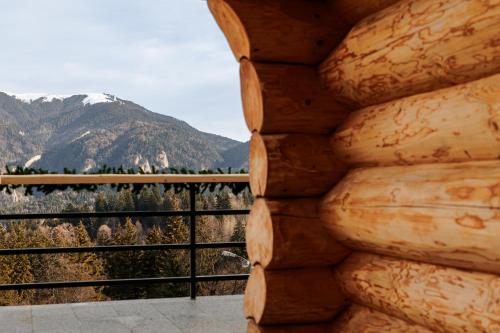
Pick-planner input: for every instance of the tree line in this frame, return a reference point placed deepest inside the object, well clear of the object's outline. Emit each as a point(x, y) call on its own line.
point(128, 264)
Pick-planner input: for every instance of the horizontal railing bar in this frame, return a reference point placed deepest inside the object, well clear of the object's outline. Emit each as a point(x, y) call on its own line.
point(61, 179)
point(81, 215)
point(53, 179)
point(119, 248)
point(76, 215)
point(222, 212)
point(95, 283)
point(111, 248)
point(221, 245)
point(120, 282)
point(227, 277)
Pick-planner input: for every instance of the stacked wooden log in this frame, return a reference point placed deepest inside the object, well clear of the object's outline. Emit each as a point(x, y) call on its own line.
point(375, 138)
point(439, 298)
point(456, 124)
point(354, 319)
point(413, 47)
point(420, 199)
point(438, 213)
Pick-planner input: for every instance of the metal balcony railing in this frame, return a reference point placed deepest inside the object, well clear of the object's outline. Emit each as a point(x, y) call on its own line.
point(191, 180)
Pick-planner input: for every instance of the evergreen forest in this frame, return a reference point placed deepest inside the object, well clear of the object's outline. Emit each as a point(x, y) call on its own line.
point(120, 231)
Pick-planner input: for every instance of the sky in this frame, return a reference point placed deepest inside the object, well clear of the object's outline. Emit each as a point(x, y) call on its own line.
point(166, 55)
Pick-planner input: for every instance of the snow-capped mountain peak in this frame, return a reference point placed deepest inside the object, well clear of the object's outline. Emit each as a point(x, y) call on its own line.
point(90, 98)
point(68, 134)
point(31, 97)
point(94, 98)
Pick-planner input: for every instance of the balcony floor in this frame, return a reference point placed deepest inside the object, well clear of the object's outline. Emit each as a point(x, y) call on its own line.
point(175, 315)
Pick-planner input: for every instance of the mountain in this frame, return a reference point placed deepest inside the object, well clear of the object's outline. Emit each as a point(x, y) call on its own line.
point(86, 131)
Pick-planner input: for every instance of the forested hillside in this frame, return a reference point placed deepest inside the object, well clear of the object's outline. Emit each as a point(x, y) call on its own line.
point(86, 131)
point(118, 231)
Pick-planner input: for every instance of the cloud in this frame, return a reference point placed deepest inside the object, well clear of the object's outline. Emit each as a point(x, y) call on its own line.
point(168, 56)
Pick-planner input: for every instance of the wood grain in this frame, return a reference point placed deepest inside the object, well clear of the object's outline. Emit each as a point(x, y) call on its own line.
point(352, 11)
point(283, 98)
point(461, 123)
point(293, 296)
point(284, 234)
point(446, 213)
point(415, 46)
point(355, 319)
point(442, 299)
point(292, 31)
point(360, 319)
point(292, 165)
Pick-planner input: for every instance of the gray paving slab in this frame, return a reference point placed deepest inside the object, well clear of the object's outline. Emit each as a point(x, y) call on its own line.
point(142, 317)
point(15, 320)
point(229, 313)
point(227, 308)
point(110, 325)
point(93, 311)
point(215, 314)
point(55, 319)
point(187, 316)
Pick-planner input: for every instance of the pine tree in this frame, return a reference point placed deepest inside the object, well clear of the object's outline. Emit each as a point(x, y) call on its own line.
point(176, 231)
point(167, 263)
point(89, 260)
point(43, 265)
point(127, 264)
point(6, 271)
point(238, 232)
point(22, 271)
point(209, 260)
point(126, 199)
point(154, 263)
point(247, 198)
point(223, 200)
point(100, 205)
point(238, 235)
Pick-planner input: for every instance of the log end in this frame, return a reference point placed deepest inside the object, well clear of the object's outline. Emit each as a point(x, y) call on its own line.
point(338, 196)
point(251, 95)
point(258, 165)
point(255, 294)
point(252, 327)
point(259, 234)
point(232, 27)
point(292, 296)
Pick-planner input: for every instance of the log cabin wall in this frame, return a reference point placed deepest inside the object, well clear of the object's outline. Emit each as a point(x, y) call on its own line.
point(374, 163)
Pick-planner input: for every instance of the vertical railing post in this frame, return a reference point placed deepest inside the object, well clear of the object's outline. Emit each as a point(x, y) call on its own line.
point(192, 239)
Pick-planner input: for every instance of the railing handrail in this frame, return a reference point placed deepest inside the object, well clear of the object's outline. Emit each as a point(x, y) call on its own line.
point(155, 213)
point(192, 213)
point(63, 179)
